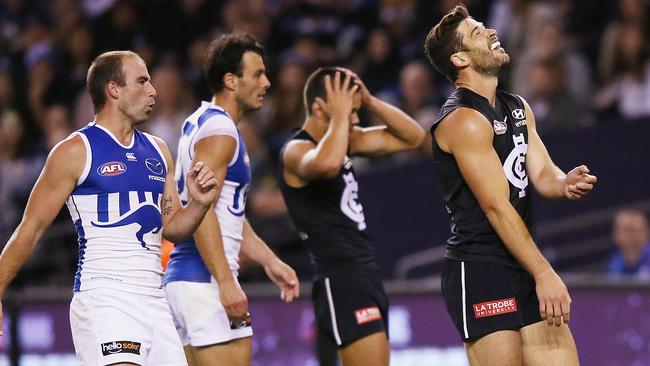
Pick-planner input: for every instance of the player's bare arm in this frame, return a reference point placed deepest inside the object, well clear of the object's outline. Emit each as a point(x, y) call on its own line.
point(305, 161)
point(549, 180)
point(216, 152)
point(180, 222)
point(57, 180)
point(401, 132)
point(279, 272)
point(466, 135)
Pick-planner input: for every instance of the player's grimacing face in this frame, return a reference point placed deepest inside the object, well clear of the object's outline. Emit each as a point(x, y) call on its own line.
point(253, 83)
point(483, 47)
point(137, 96)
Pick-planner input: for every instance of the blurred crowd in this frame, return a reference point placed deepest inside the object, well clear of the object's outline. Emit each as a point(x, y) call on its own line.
point(578, 63)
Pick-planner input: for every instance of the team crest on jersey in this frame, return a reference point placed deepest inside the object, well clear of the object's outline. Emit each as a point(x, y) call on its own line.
point(154, 165)
point(111, 168)
point(515, 164)
point(350, 206)
point(500, 127)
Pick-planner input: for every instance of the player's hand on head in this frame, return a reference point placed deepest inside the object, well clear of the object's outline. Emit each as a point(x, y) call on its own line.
point(285, 278)
point(233, 299)
point(202, 184)
point(339, 92)
point(554, 299)
point(578, 183)
point(366, 96)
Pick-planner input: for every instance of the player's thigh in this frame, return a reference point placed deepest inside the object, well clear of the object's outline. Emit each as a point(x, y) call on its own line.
point(110, 327)
point(499, 348)
point(548, 345)
point(200, 317)
point(369, 350)
point(237, 352)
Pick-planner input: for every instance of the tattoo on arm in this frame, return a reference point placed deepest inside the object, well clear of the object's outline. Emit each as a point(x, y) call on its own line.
point(167, 206)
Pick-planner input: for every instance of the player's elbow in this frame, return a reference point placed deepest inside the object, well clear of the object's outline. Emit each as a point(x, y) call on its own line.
point(174, 236)
point(417, 139)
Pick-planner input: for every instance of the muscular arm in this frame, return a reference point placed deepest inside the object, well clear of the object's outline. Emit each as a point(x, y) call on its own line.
point(308, 161)
point(55, 184)
point(280, 273)
point(549, 180)
point(401, 132)
point(216, 152)
point(180, 222)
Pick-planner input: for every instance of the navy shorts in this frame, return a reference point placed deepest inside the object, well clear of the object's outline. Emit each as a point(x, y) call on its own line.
point(485, 297)
point(350, 307)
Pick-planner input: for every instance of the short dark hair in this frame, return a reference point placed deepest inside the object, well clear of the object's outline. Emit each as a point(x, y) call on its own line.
point(315, 85)
point(444, 40)
point(225, 55)
point(105, 68)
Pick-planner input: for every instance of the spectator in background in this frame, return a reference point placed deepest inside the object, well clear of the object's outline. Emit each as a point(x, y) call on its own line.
point(555, 109)
point(632, 238)
point(379, 62)
point(172, 105)
point(630, 12)
point(550, 42)
point(415, 97)
point(628, 73)
point(286, 107)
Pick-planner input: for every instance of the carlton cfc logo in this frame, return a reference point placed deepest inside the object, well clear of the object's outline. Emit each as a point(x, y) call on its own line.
point(111, 168)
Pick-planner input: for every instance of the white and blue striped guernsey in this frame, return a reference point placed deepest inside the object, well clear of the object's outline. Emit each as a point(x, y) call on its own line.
point(209, 119)
point(116, 211)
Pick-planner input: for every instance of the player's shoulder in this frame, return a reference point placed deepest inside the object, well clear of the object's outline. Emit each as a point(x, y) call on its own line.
point(465, 119)
point(72, 147)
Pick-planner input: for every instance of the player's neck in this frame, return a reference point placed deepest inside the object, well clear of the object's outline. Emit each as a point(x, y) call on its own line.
point(230, 105)
point(485, 86)
point(315, 128)
point(120, 125)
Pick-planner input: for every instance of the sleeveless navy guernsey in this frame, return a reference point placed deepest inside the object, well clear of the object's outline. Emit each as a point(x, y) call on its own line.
point(330, 221)
point(473, 238)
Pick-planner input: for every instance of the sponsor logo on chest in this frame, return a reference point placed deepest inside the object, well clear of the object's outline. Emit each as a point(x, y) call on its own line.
point(111, 168)
point(495, 307)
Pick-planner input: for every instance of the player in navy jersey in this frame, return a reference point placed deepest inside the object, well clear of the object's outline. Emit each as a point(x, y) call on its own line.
point(322, 195)
point(507, 302)
point(209, 308)
point(118, 184)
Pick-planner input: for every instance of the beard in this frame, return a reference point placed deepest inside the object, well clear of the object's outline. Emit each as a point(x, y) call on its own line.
point(487, 63)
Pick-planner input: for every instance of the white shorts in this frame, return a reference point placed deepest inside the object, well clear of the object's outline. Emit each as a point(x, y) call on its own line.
point(111, 326)
point(200, 318)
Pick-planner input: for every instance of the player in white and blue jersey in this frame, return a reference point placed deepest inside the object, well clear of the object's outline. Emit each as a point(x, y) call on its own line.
point(118, 184)
point(209, 307)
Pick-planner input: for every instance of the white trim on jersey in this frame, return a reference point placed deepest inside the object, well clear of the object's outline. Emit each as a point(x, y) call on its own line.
point(89, 157)
point(212, 127)
point(130, 145)
point(155, 145)
point(330, 302)
point(462, 282)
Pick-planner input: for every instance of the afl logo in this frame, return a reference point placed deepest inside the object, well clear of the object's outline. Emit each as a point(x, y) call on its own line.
point(500, 127)
point(154, 165)
point(111, 168)
point(518, 113)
